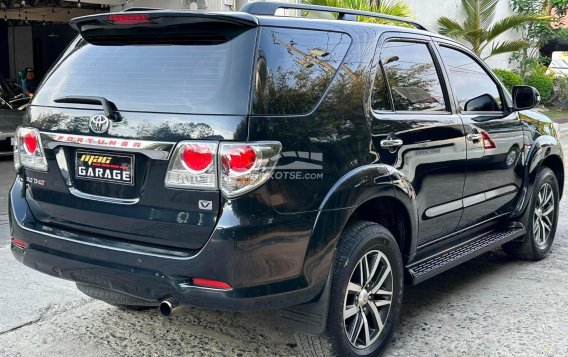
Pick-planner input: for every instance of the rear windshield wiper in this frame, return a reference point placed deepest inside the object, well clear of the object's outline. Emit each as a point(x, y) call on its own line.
point(108, 106)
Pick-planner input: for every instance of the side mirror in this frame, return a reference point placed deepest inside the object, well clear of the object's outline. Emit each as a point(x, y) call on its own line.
point(525, 97)
point(482, 103)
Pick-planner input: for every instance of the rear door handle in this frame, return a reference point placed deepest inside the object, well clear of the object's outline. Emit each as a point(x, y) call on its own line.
point(391, 143)
point(474, 137)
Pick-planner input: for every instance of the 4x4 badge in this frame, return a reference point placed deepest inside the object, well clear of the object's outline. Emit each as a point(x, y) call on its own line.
point(99, 124)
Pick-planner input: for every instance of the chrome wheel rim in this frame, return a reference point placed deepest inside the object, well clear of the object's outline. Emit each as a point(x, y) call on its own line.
point(368, 299)
point(511, 158)
point(543, 215)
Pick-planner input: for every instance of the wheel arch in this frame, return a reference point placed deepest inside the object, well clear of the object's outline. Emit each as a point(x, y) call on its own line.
point(360, 194)
point(544, 151)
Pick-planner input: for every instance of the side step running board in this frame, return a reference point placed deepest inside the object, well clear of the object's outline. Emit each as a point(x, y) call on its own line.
point(454, 256)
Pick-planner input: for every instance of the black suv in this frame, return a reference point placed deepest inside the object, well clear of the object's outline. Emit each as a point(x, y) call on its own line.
point(246, 161)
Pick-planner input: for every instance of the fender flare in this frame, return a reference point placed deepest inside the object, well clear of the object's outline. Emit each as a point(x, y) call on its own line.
point(351, 191)
point(542, 148)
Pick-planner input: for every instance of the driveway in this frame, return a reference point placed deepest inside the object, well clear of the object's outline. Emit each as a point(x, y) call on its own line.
point(490, 306)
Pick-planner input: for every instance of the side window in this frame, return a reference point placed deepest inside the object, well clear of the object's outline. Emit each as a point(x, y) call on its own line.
point(412, 78)
point(474, 89)
point(294, 68)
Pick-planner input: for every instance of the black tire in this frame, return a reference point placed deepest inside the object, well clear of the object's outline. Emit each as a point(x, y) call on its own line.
point(116, 298)
point(360, 239)
point(529, 248)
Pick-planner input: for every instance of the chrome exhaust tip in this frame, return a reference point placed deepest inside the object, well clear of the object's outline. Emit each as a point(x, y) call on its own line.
point(167, 308)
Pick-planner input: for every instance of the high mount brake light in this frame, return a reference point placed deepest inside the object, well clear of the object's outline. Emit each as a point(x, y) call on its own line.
point(130, 19)
point(28, 151)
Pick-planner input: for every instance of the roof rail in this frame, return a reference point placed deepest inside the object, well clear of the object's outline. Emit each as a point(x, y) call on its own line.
point(270, 8)
point(141, 9)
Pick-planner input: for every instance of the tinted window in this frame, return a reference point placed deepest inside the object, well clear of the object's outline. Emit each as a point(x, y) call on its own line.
point(472, 86)
point(196, 79)
point(412, 77)
point(381, 99)
point(294, 67)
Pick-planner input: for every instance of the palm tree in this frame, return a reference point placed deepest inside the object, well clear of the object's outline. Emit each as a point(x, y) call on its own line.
point(477, 29)
point(388, 7)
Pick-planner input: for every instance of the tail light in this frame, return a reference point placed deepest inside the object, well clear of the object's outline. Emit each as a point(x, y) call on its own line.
point(236, 168)
point(193, 166)
point(28, 150)
point(245, 167)
point(487, 142)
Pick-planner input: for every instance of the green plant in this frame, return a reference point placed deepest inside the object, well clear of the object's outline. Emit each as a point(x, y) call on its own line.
point(479, 30)
point(561, 90)
point(509, 78)
point(387, 7)
point(536, 34)
point(542, 81)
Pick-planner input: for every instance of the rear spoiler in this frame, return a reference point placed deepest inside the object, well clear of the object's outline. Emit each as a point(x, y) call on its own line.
point(152, 19)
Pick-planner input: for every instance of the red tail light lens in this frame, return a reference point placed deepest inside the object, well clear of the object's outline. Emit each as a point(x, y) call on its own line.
point(197, 157)
point(487, 142)
point(211, 283)
point(239, 159)
point(28, 150)
point(30, 142)
point(130, 19)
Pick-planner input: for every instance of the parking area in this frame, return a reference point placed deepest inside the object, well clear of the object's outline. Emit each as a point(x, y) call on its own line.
point(490, 306)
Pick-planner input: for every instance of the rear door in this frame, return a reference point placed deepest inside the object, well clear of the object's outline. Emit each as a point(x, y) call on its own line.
point(494, 137)
point(115, 106)
point(415, 131)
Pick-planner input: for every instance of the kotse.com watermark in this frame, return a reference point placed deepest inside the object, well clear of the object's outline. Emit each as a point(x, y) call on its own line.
point(299, 165)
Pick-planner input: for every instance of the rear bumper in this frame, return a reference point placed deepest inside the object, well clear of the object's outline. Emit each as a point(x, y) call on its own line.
point(263, 262)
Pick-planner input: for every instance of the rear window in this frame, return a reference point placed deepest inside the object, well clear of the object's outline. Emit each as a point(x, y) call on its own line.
point(294, 68)
point(211, 78)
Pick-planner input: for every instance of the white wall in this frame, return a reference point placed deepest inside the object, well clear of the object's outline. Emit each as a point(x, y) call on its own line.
point(23, 55)
point(211, 5)
point(428, 11)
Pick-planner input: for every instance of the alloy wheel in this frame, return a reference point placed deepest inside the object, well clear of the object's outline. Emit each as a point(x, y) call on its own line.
point(368, 299)
point(543, 215)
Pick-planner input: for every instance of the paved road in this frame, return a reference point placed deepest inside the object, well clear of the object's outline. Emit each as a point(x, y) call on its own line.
point(489, 306)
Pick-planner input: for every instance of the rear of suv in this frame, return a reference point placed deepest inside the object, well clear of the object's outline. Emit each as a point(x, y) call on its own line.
point(244, 161)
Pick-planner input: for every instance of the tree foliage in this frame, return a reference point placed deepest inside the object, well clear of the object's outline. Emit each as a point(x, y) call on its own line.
point(386, 7)
point(481, 31)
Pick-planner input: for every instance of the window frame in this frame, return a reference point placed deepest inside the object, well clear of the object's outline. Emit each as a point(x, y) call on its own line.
point(505, 99)
point(412, 38)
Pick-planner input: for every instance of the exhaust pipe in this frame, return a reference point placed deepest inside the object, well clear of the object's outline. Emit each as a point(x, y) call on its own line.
point(170, 307)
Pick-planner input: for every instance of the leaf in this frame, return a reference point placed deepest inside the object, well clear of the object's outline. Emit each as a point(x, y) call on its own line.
point(479, 14)
point(507, 46)
point(388, 7)
point(450, 28)
point(512, 22)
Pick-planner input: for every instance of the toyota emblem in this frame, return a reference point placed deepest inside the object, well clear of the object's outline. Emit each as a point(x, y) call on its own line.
point(99, 124)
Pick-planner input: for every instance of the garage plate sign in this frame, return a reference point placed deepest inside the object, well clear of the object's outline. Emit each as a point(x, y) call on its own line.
point(117, 169)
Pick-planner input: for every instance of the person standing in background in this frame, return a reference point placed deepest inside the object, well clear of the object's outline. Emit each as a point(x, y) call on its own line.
point(28, 85)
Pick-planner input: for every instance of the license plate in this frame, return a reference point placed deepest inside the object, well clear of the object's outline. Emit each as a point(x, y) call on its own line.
point(96, 166)
point(12, 141)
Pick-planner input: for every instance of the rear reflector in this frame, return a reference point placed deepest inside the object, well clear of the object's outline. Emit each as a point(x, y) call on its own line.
point(206, 283)
point(19, 243)
point(130, 19)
